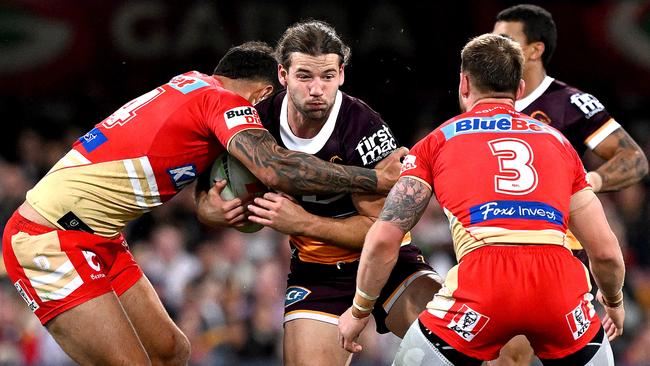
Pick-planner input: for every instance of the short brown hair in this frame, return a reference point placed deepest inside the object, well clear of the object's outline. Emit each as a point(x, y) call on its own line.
point(313, 38)
point(493, 63)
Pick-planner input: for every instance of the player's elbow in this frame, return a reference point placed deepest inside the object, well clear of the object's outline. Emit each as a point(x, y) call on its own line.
point(383, 238)
point(387, 246)
point(607, 252)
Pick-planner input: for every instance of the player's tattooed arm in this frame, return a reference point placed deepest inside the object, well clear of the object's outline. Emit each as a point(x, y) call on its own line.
point(406, 203)
point(625, 164)
point(298, 173)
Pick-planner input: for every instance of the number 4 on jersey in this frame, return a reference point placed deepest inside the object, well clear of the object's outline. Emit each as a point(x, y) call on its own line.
point(515, 162)
point(128, 111)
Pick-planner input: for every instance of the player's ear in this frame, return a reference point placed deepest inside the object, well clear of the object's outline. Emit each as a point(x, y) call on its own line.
point(464, 86)
point(536, 50)
point(520, 89)
point(283, 74)
point(263, 92)
point(266, 92)
point(341, 74)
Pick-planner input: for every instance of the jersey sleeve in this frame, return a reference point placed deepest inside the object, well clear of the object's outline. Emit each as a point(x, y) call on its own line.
point(227, 114)
point(580, 174)
point(596, 123)
point(370, 138)
point(418, 163)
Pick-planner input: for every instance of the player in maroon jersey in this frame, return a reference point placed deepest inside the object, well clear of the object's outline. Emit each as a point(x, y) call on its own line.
point(327, 231)
point(63, 247)
point(578, 115)
point(523, 185)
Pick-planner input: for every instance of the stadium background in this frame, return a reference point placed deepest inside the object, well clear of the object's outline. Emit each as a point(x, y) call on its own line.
point(65, 65)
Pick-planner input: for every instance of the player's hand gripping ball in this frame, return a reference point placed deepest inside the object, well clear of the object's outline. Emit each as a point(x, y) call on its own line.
point(241, 183)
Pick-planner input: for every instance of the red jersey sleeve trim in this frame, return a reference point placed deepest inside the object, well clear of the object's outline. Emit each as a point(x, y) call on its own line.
point(251, 127)
point(418, 179)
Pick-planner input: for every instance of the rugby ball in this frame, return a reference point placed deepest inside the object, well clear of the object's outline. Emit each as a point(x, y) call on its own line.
point(241, 184)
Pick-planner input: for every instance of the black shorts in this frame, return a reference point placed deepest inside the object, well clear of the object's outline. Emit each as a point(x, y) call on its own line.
point(324, 292)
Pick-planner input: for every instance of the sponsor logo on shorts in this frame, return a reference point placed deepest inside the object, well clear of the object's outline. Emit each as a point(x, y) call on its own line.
point(587, 103)
point(92, 260)
point(376, 146)
point(182, 175)
point(467, 323)
point(31, 303)
point(241, 116)
point(579, 319)
point(527, 210)
point(92, 139)
point(97, 276)
point(408, 163)
point(295, 294)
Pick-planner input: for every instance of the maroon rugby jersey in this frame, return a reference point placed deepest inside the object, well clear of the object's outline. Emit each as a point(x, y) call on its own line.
point(578, 115)
point(355, 135)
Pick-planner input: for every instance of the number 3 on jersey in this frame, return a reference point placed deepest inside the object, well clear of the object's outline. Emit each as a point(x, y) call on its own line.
point(127, 111)
point(516, 157)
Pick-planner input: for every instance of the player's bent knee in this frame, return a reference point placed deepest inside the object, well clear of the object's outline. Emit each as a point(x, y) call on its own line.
point(176, 350)
point(420, 347)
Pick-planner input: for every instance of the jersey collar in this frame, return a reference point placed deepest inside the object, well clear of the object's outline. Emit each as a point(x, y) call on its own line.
point(521, 104)
point(312, 145)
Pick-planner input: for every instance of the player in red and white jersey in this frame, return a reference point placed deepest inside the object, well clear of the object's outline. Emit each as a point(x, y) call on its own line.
point(63, 248)
point(580, 116)
point(510, 186)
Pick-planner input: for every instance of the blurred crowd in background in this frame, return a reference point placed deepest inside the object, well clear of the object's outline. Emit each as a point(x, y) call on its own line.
point(66, 65)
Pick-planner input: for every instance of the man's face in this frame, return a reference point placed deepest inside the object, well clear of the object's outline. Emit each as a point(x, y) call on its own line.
point(312, 83)
point(514, 31)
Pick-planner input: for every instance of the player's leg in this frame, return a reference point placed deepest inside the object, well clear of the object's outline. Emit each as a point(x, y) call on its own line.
point(421, 347)
point(163, 340)
point(568, 331)
point(98, 332)
point(410, 304)
point(411, 285)
point(517, 352)
point(317, 294)
point(313, 342)
point(597, 352)
point(68, 290)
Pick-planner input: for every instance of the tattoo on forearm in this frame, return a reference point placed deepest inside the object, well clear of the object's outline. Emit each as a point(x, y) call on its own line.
point(406, 203)
point(300, 173)
point(627, 166)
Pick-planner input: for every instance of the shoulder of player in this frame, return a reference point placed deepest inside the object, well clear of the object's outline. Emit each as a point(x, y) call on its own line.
point(358, 111)
point(270, 108)
point(569, 92)
point(437, 136)
point(562, 88)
